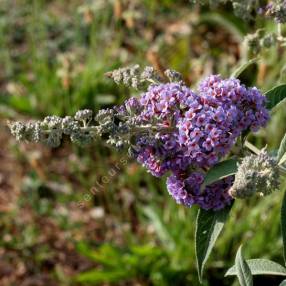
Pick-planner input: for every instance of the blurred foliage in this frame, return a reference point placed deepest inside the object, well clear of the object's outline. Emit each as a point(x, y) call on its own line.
point(57, 224)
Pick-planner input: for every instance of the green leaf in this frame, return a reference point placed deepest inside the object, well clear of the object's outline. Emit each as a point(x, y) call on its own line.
point(283, 283)
point(98, 277)
point(219, 171)
point(208, 227)
point(282, 160)
point(260, 267)
point(252, 148)
point(243, 67)
point(275, 96)
point(283, 224)
point(282, 149)
point(242, 270)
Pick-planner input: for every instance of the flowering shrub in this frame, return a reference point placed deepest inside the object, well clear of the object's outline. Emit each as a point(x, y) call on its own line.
point(196, 137)
point(187, 134)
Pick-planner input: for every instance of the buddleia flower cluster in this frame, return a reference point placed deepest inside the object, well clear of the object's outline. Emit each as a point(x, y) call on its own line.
point(169, 129)
point(257, 174)
point(206, 124)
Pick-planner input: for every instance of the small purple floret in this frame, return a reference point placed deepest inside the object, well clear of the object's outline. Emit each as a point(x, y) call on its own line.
point(186, 191)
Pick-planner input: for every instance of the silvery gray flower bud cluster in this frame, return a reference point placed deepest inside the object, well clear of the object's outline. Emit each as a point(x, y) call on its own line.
point(117, 126)
point(134, 77)
point(112, 128)
point(242, 8)
point(51, 130)
point(260, 40)
point(257, 174)
point(247, 9)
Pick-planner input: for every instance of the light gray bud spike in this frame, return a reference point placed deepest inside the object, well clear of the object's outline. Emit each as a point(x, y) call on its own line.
point(30, 131)
point(257, 174)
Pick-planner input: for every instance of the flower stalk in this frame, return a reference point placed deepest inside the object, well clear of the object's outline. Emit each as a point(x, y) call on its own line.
point(168, 129)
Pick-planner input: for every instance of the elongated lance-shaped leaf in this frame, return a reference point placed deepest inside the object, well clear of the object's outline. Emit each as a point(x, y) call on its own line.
point(275, 96)
point(209, 224)
point(282, 160)
point(283, 225)
point(243, 271)
point(252, 148)
point(219, 171)
point(260, 267)
point(282, 149)
point(243, 67)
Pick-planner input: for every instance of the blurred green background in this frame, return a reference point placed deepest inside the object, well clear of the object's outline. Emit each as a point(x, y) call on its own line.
point(57, 225)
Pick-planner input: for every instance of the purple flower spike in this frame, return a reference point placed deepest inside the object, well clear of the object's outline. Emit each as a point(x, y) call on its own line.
point(203, 127)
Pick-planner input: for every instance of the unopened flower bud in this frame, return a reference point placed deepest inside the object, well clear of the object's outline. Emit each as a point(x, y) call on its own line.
point(256, 174)
point(52, 122)
point(173, 75)
point(84, 115)
point(268, 40)
point(69, 125)
point(253, 42)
